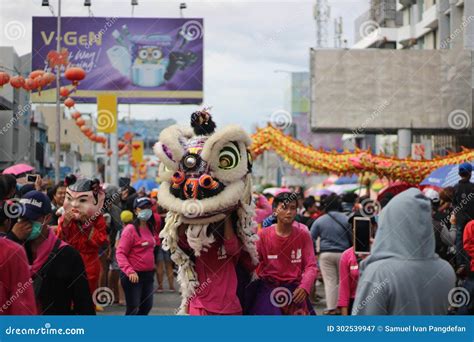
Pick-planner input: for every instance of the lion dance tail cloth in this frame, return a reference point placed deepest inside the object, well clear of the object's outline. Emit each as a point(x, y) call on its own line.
point(204, 174)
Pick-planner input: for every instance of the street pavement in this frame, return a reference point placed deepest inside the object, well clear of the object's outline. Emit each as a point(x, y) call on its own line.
point(167, 303)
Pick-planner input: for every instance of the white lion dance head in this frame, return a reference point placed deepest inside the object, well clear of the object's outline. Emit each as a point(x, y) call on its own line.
point(204, 174)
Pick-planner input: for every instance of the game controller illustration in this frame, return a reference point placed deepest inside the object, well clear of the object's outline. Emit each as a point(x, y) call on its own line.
point(179, 60)
point(149, 60)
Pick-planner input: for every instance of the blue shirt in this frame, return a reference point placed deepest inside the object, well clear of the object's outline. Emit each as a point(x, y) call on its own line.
point(335, 237)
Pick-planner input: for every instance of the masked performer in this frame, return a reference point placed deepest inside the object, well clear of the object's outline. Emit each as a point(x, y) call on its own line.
point(206, 188)
point(82, 225)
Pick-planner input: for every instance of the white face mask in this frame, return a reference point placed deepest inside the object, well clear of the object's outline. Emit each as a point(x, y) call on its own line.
point(144, 215)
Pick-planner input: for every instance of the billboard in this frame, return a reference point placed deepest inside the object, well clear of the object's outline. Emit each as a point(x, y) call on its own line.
point(366, 91)
point(140, 60)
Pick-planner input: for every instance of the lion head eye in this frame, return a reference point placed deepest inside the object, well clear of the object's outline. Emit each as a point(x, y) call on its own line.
point(229, 157)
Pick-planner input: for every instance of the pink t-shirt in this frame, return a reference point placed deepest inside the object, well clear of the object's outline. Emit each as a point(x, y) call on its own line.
point(16, 287)
point(134, 252)
point(217, 291)
point(288, 259)
point(348, 277)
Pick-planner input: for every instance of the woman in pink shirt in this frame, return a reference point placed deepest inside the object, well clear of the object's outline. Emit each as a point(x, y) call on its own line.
point(216, 271)
point(287, 268)
point(136, 259)
point(348, 278)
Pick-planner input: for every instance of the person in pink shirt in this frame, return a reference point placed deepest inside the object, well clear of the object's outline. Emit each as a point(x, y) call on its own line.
point(348, 278)
point(216, 271)
point(16, 287)
point(136, 259)
point(287, 268)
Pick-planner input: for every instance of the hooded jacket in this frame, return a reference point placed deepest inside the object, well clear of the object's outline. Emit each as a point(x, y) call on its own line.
point(403, 275)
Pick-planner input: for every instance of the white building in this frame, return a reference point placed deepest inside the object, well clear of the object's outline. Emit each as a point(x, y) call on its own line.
point(418, 25)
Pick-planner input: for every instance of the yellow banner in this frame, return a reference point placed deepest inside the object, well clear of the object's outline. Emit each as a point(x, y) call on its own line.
point(107, 113)
point(137, 151)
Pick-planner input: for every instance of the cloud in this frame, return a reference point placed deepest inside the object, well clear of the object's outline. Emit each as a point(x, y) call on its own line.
point(245, 41)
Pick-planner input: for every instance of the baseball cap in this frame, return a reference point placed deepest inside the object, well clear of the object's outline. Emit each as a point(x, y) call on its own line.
point(141, 202)
point(465, 168)
point(432, 195)
point(34, 205)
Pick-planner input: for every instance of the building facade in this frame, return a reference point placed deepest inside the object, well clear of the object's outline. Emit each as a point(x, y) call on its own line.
point(422, 25)
point(21, 136)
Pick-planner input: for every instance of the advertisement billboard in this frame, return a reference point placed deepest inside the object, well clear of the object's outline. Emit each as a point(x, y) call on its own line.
point(140, 60)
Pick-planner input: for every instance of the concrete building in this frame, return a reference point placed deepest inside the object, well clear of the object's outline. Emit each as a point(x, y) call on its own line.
point(416, 24)
point(78, 154)
point(22, 136)
point(421, 25)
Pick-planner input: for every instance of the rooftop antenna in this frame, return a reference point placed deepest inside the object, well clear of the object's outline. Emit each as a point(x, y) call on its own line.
point(322, 13)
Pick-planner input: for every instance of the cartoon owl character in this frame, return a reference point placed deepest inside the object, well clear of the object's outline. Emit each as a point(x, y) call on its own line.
point(149, 55)
point(205, 174)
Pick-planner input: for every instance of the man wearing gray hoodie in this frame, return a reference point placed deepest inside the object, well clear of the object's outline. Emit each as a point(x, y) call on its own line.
point(403, 275)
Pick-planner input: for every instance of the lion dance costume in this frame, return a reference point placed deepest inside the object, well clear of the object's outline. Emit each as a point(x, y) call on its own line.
point(86, 231)
point(205, 174)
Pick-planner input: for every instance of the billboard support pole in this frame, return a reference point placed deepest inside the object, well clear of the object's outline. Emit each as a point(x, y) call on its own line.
point(57, 157)
point(114, 159)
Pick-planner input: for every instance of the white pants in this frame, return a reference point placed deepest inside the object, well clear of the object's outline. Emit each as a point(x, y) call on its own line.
point(329, 264)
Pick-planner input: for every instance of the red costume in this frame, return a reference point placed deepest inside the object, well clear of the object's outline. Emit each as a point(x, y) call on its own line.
point(86, 229)
point(87, 240)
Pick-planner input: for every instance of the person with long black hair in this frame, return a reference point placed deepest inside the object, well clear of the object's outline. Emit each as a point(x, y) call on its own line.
point(136, 258)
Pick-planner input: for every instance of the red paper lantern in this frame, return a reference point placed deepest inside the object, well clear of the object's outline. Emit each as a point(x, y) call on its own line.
point(69, 102)
point(76, 115)
point(80, 122)
point(30, 84)
point(17, 82)
point(43, 81)
point(92, 137)
point(36, 73)
point(50, 77)
point(4, 78)
point(75, 75)
point(121, 144)
point(88, 133)
point(109, 153)
point(64, 92)
point(85, 129)
point(128, 136)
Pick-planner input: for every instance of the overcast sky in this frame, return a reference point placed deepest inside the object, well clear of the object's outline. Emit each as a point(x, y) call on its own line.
point(245, 42)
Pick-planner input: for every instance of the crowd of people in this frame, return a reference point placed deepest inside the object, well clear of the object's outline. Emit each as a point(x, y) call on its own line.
point(60, 244)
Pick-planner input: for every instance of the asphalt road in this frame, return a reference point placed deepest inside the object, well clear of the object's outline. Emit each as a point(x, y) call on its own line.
point(167, 303)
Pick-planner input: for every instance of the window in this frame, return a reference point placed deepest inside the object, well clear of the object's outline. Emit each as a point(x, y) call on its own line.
point(420, 43)
point(421, 6)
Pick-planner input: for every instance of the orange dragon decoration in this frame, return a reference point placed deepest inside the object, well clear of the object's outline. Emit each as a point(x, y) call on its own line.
point(310, 160)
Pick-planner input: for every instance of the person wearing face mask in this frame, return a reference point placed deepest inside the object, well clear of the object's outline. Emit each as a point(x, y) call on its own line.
point(135, 257)
point(59, 280)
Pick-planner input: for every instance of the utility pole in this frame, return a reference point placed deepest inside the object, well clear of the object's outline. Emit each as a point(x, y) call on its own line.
point(57, 155)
